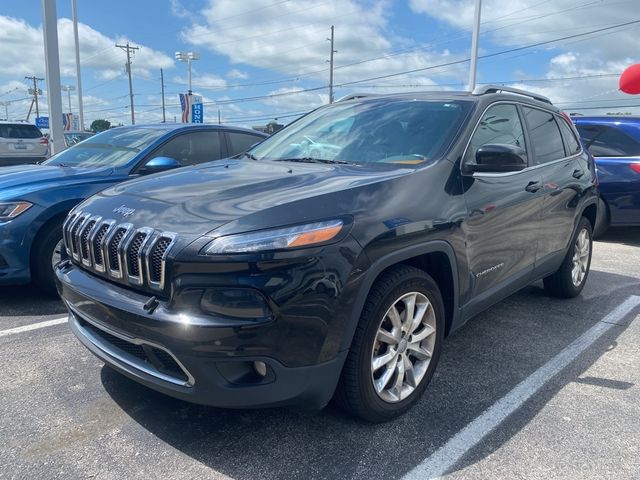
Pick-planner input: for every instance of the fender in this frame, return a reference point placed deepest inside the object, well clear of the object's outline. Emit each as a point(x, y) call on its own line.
point(44, 217)
point(398, 256)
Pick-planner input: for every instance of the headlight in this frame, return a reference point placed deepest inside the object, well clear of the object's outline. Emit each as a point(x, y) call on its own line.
point(11, 210)
point(277, 239)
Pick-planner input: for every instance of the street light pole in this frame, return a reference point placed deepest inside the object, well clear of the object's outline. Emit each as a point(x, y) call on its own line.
point(474, 46)
point(52, 64)
point(74, 16)
point(68, 89)
point(188, 57)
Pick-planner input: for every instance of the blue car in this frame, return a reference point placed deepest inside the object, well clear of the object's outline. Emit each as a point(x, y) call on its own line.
point(614, 141)
point(35, 199)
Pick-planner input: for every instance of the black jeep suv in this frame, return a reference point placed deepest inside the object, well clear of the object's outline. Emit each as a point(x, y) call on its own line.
point(334, 257)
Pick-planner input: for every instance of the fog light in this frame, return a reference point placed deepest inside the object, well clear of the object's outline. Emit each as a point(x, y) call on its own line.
point(260, 368)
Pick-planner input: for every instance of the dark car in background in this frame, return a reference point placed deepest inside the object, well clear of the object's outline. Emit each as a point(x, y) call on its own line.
point(21, 143)
point(334, 257)
point(34, 199)
point(614, 141)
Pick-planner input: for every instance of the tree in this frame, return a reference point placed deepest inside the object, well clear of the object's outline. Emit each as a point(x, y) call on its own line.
point(100, 125)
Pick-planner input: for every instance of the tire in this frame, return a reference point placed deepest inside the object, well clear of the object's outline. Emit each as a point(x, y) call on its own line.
point(356, 392)
point(563, 283)
point(42, 257)
point(602, 219)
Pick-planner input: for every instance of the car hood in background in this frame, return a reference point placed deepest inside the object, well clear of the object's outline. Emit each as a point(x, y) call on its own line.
point(18, 181)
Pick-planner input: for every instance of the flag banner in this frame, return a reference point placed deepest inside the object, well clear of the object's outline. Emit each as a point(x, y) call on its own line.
point(185, 104)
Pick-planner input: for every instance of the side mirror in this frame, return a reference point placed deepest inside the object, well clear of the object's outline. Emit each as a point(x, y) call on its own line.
point(159, 164)
point(498, 158)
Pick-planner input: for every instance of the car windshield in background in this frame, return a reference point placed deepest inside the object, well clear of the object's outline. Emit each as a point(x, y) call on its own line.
point(401, 132)
point(112, 148)
point(73, 138)
point(19, 131)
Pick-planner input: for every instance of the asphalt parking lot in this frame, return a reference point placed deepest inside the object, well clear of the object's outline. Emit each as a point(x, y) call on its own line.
point(532, 388)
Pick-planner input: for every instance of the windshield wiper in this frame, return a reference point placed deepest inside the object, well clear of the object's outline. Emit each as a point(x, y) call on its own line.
point(313, 160)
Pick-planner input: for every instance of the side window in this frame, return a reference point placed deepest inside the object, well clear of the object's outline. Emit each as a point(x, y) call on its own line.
point(241, 142)
point(572, 146)
point(605, 141)
point(500, 124)
point(545, 136)
point(192, 148)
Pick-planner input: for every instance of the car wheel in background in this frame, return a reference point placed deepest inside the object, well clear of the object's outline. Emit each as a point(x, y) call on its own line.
point(45, 254)
point(395, 348)
point(572, 275)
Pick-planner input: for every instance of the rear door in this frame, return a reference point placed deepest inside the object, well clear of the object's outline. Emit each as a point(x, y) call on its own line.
point(561, 172)
point(503, 220)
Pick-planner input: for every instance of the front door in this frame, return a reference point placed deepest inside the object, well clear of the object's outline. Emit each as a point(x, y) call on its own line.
point(503, 210)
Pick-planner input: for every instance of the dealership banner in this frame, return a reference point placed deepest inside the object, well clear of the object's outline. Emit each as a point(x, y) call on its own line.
point(192, 108)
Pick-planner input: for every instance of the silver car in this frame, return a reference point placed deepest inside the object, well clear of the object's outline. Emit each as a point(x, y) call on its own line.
point(20, 143)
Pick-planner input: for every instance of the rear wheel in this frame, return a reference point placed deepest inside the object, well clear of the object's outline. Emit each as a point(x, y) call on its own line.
point(396, 346)
point(572, 275)
point(45, 255)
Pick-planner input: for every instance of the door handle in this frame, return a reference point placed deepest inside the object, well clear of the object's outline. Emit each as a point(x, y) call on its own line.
point(533, 187)
point(577, 173)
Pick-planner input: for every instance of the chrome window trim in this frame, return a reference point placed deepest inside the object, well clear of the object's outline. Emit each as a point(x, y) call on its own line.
point(525, 130)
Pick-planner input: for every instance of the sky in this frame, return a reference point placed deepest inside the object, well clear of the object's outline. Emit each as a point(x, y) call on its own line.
point(268, 59)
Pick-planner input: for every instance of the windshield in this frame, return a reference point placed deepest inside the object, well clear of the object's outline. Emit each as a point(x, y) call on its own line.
point(112, 148)
point(73, 138)
point(381, 131)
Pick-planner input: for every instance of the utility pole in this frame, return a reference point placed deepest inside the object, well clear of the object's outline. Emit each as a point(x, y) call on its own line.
point(35, 91)
point(164, 118)
point(6, 109)
point(219, 122)
point(331, 67)
point(474, 46)
point(128, 48)
point(52, 68)
point(74, 16)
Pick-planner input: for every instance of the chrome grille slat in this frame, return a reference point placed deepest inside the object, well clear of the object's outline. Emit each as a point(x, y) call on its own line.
point(135, 256)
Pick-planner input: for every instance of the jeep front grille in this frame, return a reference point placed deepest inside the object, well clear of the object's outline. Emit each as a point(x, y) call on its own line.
point(134, 256)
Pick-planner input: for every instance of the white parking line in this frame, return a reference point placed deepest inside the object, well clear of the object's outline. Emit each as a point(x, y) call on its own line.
point(443, 459)
point(33, 326)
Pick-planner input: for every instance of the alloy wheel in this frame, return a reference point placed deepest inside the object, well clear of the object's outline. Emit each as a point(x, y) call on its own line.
point(581, 250)
point(403, 347)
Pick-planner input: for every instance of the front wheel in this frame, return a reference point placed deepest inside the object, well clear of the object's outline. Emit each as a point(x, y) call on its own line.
point(572, 275)
point(46, 254)
point(396, 346)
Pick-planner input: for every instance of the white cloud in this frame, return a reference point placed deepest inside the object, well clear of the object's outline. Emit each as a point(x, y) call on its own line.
point(22, 50)
point(299, 102)
point(291, 39)
point(237, 74)
point(204, 81)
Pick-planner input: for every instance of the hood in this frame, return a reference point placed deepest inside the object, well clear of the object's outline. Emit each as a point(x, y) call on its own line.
point(19, 181)
point(196, 200)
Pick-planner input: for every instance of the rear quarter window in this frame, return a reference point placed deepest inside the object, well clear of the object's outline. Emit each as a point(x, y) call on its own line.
point(19, 131)
point(607, 141)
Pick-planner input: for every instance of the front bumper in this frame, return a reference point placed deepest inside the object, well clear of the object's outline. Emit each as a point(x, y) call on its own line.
point(204, 359)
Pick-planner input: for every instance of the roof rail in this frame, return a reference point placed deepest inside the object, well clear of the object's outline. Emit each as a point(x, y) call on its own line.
point(355, 96)
point(484, 89)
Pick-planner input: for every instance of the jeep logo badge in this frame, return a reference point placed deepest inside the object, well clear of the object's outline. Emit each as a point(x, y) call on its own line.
point(124, 211)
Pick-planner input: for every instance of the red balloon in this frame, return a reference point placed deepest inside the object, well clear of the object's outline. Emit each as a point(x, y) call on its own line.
point(630, 80)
